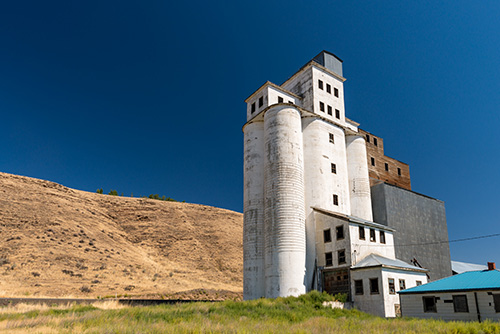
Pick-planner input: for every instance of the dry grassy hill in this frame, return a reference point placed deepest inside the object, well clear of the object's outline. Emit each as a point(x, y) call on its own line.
point(57, 241)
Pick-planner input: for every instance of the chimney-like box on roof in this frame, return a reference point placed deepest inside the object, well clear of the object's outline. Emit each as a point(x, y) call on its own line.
point(491, 266)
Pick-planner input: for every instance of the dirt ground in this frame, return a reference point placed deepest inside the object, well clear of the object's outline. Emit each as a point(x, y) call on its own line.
point(60, 242)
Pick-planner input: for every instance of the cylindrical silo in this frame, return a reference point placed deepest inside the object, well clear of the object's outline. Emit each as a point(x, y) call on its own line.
point(253, 211)
point(359, 182)
point(284, 216)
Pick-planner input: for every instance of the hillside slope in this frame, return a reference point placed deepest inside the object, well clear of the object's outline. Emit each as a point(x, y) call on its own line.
point(57, 241)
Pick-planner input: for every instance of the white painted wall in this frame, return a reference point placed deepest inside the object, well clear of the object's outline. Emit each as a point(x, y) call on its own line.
point(327, 98)
point(382, 304)
point(253, 211)
point(301, 84)
point(284, 215)
point(359, 182)
point(412, 306)
point(362, 248)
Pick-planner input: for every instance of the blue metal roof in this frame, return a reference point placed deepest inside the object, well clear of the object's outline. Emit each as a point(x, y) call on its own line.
point(468, 281)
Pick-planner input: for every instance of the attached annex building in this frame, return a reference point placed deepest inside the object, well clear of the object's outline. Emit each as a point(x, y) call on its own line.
point(324, 208)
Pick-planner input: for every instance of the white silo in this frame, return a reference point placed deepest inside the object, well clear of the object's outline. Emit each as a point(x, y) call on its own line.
point(284, 202)
point(253, 209)
point(359, 182)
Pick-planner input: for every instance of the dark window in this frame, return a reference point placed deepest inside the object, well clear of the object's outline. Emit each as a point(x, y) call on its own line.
point(329, 110)
point(261, 101)
point(329, 259)
point(336, 92)
point(374, 286)
point(334, 169)
point(340, 232)
point(419, 283)
point(429, 304)
point(358, 286)
point(361, 233)
point(496, 300)
point(372, 161)
point(402, 284)
point(328, 88)
point(335, 200)
point(290, 102)
point(375, 141)
point(460, 303)
point(253, 107)
point(337, 113)
point(382, 237)
point(399, 171)
point(332, 138)
point(368, 138)
point(372, 235)
point(386, 167)
point(392, 287)
point(327, 236)
point(322, 106)
point(320, 84)
point(341, 254)
point(280, 99)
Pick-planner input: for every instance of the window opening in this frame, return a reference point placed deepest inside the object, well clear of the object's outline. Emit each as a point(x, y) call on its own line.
point(320, 84)
point(330, 110)
point(460, 304)
point(334, 168)
point(340, 232)
point(327, 236)
point(374, 286)
point(361, 233)
point(328, 88)
point(372, 161)
point(335, 200)
point(372, 235)
point(392, 287)
point(358, 287)
point(375, 141)
point(336, 92)
point(337, 113)
point(382, 237)
point(332, 138)
point(386, 167)
point(261, 101)
point(322, 106)
point(280, 99)
point(402, 284)
point(429, 304)
point(341, 256)
point(328, 259)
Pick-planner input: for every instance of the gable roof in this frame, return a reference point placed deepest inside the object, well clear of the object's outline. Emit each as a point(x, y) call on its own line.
point(374, 260)
point(468, 281)
point(462, 267)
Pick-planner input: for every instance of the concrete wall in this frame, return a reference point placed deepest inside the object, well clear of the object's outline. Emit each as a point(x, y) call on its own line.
point(412, 306)
point(301, 84)
point(420, 223)
point(360, 248)
point(329, 99)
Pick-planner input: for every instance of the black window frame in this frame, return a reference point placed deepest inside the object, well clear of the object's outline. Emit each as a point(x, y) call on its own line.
point(320, 84)
point(373, 236)
point(261, 101)
point(339, 232)
point(399, 171)
point(321, 106)
point(337, 113)
point(382, 237)
point(333, 168)
point(327, 235)
point(361, 233)
point(358, 287)
point(375, 142)
point(328, 88)
point(280, 99)
point(372, 160)
point(329, 110)
point(386, 167)
point(252, 108)
point(332, 138)
point(374, 288)
point(429, 303)
point(458, 304)
point(328, 259)
point(335, 92)
point(335, 199)
point(341, 258)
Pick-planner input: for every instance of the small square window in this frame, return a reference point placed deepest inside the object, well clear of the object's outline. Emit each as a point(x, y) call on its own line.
point(337, 113)
point(340, 232)
point(320, 84)
point(341, 256)
point(374, 286)
point(386, 167)
point(280, 99)
point(399, 171)
point(290, 102)
point(358, 287)
point(261, 101)
point(372, 235)
point(327, 236)
point(253, 107)
point(328, 259)
point(419, 283)
point(372, 161)
point(332, 138)
point(382, 237)
point(328, 88)
point(335, 200)
point(330, 110)
point(402, 284)
point(392, 287)
point(322, 106)
point(460, 304)
point(368, 138)
point(336, 92)
point(429, 304)
point(375, 141)
point(361, 233)
point(334, 168)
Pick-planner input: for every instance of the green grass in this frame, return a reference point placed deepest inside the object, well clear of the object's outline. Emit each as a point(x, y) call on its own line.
point(304, 314)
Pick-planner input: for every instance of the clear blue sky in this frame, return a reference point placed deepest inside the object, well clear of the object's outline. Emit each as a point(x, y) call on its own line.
point(147, 96)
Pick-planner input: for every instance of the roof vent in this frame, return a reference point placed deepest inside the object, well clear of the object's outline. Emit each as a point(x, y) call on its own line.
point(491, 266)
